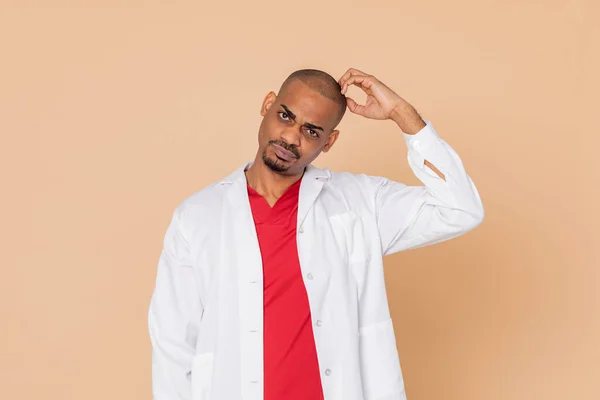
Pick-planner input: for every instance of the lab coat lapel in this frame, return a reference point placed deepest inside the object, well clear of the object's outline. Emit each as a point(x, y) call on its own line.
point(310, 187)
point(242, 231)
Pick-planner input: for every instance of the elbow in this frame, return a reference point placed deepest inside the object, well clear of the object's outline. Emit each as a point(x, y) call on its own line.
point(474, 217)
point(466, 219)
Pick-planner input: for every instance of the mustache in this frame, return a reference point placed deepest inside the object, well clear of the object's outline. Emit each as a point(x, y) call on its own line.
point(289, 147)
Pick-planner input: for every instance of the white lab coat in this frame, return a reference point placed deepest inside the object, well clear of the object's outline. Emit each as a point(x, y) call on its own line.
point(206, 312)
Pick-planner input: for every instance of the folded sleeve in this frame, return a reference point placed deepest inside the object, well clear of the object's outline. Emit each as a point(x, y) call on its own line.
point(415, 216)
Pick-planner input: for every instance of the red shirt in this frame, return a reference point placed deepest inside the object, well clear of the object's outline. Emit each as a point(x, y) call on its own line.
point(291, 369)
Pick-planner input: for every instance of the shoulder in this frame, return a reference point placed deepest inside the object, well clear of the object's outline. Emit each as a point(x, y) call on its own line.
point(207, 197)
point(355, 182)
point(202, 206)
point(358, 191)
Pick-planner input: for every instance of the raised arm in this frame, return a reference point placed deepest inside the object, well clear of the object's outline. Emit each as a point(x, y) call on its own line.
point(446, 206)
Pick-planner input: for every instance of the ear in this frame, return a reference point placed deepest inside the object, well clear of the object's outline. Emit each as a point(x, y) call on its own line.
point(267, 103)
point(331, 140)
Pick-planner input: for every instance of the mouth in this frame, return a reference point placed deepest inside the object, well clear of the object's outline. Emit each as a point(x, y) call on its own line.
point(283, 154)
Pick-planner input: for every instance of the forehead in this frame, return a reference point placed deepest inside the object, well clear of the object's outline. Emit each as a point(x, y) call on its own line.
point(308, 104)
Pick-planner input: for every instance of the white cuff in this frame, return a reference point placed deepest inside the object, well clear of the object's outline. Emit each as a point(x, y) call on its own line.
point(423, 140)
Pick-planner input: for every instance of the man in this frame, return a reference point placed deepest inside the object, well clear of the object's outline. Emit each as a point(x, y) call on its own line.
point(270, 284)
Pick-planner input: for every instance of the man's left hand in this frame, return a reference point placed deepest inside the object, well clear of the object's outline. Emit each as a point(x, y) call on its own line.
point(382, 102)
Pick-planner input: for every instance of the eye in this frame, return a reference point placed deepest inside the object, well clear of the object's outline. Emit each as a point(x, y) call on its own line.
point(283, 115)
point(312, 132)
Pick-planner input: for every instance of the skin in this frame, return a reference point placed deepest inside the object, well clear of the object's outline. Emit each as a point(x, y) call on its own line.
point(307, 141)
point(293, 128)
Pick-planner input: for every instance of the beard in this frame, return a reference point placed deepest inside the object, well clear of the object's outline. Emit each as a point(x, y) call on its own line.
point(274, 165)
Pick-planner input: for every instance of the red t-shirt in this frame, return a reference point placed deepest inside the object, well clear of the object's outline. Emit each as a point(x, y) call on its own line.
point(291, 369)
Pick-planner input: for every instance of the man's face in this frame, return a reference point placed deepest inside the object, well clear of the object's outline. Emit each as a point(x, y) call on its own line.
point(297, 125)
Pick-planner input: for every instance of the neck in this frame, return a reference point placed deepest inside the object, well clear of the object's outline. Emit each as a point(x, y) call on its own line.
point(268, 183)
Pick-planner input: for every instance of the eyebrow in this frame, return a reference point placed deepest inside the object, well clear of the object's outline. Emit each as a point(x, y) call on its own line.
point(307, 124)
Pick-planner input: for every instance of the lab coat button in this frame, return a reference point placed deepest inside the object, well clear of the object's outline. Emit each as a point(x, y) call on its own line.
point(327, 372)
point(319, 323)
point(309, 276)
point(301, 230)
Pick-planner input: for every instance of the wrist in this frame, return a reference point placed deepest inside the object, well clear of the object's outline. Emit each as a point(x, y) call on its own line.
point(407, 118)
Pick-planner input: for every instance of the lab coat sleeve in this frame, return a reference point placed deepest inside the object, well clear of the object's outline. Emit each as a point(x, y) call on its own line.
point(415, 216)
point(173, 316)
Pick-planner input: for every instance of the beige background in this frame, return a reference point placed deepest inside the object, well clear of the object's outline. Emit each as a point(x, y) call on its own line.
point(113, 112)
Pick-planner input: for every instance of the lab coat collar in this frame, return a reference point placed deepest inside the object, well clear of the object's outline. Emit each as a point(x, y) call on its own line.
point(311, 173)
point(310, 187)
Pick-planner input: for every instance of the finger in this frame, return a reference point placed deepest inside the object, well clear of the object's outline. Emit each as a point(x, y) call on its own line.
point(355, 71)
point(355, 78)
point(362, 81)
point(352, 71)
point(344, 76)
point(349, 73)
point(354, 107)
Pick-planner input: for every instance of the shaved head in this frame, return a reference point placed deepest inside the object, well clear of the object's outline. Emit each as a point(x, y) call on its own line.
point(299, 122)
point(321, 82)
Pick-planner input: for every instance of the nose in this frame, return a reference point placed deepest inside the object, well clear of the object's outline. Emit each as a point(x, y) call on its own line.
point(291, 136)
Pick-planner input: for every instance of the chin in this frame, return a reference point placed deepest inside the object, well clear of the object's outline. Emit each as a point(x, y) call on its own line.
point(275, 164)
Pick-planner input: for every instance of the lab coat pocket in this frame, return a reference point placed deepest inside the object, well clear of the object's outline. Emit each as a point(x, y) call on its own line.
point(202, 371)
point(349, 231)
point(380, 365)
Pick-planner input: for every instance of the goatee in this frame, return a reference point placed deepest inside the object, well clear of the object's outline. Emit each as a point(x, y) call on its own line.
point(273, 165)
